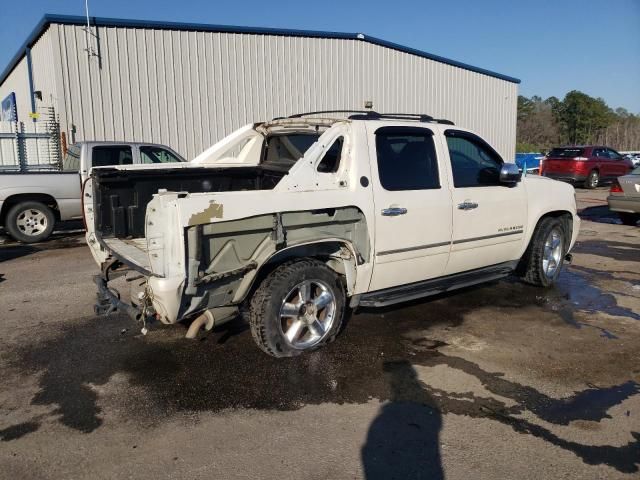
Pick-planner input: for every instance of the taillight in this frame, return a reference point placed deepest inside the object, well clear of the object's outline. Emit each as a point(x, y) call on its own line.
point(615, 187)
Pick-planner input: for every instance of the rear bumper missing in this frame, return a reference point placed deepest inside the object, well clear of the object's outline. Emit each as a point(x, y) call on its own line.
point(109, 302)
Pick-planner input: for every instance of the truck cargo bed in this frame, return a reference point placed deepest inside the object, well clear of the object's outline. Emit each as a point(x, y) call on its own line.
point(121, 196)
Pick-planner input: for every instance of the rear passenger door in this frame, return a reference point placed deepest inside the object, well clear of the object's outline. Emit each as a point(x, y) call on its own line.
point(489, 218)
point(618, 165)
point(412, 206)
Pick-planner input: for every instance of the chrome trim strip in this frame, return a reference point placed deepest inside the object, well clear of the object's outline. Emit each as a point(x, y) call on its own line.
point(410, 249)
point(504, 234)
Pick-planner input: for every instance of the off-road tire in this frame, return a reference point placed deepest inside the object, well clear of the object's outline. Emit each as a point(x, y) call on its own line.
point(593, 179)
point(629, 218)
point(533, 271)
point(11, 222)
point(264, 305)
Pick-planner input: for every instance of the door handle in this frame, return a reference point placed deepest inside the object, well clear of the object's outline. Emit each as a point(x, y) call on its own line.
point(467, 205)
point(394, 211)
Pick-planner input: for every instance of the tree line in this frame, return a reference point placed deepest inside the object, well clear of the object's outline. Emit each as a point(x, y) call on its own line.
point(576, 120)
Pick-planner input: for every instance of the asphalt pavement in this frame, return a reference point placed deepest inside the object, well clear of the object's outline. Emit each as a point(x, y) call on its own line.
point(502, 380)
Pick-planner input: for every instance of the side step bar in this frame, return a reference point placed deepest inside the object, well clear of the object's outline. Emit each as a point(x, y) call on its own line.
point(412, 291)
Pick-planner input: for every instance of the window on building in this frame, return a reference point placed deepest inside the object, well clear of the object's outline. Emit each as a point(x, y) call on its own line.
point(473, 162)
point(111, 155)
point(331, 160)
point(406, 158)
point(152, 154)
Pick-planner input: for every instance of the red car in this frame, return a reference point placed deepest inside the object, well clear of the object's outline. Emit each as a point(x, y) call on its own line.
point(587, 165)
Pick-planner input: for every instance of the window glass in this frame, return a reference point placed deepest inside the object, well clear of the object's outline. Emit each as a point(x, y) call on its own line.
point(566, 152)
point(406, 158)
point(473, 163)
point(285, 150)
point(112, 155)
point(151, 154)
point(599, 152)
point(71, 162)
point(331, 160)
point(613, 154)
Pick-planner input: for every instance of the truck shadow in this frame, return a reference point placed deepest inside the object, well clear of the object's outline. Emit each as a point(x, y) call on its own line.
point(375, 359)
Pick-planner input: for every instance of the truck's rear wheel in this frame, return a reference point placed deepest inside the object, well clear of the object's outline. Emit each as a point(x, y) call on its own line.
point(544, 257)
point(30, 222)
point(298, 307)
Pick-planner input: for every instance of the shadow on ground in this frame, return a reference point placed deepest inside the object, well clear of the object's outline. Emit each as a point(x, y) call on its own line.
point(373, 359)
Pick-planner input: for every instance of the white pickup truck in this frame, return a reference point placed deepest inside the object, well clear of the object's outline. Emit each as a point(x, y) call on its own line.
point(31, 202)
point(291, 221)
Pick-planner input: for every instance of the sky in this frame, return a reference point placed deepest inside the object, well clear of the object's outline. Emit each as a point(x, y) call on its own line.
point(552, 46)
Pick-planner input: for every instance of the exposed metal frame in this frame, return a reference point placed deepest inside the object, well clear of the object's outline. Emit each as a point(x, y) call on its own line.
point(49, 19)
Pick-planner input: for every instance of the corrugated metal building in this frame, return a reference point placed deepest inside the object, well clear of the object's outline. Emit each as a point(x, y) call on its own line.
point(188, 85)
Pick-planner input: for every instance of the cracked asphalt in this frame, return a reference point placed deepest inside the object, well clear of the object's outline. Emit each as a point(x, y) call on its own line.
point(502, 380)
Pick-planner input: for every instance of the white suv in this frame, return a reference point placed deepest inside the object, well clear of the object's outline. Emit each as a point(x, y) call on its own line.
point(292, 221)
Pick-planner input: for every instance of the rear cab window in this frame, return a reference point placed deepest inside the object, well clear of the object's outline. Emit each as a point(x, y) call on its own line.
point(284, 150)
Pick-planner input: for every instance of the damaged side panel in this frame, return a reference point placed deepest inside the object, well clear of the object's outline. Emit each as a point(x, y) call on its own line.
point(223, 258)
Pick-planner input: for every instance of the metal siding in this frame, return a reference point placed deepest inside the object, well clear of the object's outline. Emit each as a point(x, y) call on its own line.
point(188, 89)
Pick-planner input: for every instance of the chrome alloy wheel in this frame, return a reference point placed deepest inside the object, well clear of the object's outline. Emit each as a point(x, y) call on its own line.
point(552, 256)
point(307, 314)
point(31, 222)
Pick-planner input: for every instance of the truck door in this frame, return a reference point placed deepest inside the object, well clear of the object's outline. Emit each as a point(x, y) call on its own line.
point(489, 218)
point(412, 206)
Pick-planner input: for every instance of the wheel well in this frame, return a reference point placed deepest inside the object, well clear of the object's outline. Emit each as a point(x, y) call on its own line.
point(48, 200)
point(333, 253)
point(567, 220)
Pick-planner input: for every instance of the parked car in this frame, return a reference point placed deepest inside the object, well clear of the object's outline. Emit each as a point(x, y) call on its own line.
point(586, 165)
point(624, 197)
point(31, 202)
point(292, 220)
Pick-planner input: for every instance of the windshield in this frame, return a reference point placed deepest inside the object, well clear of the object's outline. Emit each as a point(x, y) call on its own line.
point(566, 152)
point(71, 162)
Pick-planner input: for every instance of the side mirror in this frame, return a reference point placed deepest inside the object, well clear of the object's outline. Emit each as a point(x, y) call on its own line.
point(510, 174)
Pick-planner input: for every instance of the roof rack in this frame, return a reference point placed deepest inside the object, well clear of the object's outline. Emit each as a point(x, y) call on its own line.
point(322, 112)
point(372, 115)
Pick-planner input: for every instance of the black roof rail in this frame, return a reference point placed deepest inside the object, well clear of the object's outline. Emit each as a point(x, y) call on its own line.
point(373, 115)
point(422, 117)
point(322, 112)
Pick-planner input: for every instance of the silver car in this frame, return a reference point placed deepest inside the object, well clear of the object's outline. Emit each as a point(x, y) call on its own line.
point(624, 197)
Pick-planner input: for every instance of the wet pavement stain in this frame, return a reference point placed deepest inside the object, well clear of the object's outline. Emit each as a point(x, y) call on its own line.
point(168, 375)
point(585, 296)
point(621, 251)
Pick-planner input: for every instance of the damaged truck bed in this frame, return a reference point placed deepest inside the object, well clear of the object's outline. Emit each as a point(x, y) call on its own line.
point(292, 221)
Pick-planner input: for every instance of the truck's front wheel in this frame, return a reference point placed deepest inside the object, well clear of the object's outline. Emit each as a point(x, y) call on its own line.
point(543, 259)
point(298, 307)
point(30, 222)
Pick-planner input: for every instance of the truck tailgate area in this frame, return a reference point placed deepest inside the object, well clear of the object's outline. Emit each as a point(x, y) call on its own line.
point(132, 250)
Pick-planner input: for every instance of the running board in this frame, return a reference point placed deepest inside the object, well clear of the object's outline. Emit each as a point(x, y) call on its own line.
point(426, 288)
